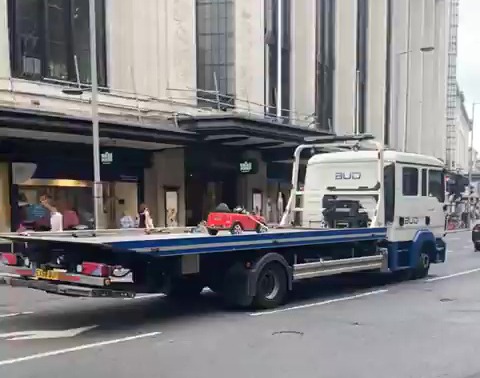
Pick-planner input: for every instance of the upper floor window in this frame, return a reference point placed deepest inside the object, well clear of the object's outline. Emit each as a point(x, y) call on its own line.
point(51, 39)
point(216, 52)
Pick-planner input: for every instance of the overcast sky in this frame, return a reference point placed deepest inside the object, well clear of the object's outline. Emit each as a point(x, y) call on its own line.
point(468, 69)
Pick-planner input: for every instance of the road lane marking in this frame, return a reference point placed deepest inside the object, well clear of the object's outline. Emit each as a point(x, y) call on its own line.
point(77, 348)
point(433, 279)
point(323, 303)
point(42, 335)
point(3, 316)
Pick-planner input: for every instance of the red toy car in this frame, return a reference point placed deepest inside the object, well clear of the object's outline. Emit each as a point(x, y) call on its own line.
point(235, 221)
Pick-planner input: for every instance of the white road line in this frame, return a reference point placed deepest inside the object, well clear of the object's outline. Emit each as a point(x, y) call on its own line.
point(453, 275)
point(3, 316)
point(76, 349)
point(323, 303)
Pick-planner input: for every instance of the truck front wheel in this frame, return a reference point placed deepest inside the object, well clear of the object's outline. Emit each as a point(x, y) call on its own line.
point(271, 288)
point(423, 265)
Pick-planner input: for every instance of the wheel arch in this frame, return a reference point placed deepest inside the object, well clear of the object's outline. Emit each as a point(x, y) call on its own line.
point(424, 241)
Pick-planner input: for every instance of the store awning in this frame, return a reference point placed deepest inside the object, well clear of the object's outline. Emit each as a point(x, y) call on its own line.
point(23, 124)
point(274, 139)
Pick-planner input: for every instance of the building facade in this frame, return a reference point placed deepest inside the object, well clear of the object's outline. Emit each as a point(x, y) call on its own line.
point(463, 128)
point(179, 77)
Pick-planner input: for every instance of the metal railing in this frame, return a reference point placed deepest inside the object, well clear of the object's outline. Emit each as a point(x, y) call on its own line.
point(147, 108)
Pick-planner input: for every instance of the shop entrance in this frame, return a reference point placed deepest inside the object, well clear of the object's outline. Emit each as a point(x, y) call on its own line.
point(211, 179)
point(205, 192)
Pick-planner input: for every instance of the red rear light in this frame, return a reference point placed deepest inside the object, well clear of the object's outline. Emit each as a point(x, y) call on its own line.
point(9, 259)
point(96, 269)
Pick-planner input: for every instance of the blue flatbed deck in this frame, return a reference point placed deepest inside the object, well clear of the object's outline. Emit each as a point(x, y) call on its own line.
point(174, 244)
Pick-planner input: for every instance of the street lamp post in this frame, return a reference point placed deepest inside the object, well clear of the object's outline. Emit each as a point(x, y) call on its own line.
point(471, 157)
point(470, 163)
point(97, 184)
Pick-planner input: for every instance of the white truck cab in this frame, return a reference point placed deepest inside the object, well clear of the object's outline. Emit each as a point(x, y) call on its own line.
point(413, 195)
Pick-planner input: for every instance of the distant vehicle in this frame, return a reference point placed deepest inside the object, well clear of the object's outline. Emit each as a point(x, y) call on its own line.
point(235, 221)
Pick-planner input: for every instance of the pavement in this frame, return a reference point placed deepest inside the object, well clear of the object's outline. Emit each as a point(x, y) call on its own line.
point(342, 327)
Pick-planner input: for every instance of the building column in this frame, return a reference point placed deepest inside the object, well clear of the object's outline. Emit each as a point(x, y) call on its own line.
point(376, 73)
point(167, 174)
point(440, 78)
point(414, 115)
point(5, 203)
point(4, 41)
point(303, 60)
point(249, 56)
point(345, 70)
point(400, 47)
point(429, 127)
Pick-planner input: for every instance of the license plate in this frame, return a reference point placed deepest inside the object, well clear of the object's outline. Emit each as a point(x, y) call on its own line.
point(47, 274)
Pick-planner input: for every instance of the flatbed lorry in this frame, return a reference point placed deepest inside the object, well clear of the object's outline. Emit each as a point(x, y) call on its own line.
point(361, 209)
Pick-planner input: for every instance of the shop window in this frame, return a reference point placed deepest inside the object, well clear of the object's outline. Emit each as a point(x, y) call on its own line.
point(436, 185)
point(409, 181)
point(49, 39)
point(171, 207)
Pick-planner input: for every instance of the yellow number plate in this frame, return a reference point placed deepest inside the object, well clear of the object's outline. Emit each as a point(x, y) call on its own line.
point(47, 274)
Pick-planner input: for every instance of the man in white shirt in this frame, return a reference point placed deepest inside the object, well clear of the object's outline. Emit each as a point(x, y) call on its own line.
point(56, 218)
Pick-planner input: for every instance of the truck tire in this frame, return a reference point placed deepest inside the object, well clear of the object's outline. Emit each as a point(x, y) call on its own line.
point(184, 288)
point(271, 287)
point(423, 265)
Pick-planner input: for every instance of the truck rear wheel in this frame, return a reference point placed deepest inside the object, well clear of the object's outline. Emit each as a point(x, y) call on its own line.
point(271, 287)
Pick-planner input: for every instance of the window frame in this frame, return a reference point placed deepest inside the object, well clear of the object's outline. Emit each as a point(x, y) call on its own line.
point(16, 57)
point(424, 182)
point(407, 193)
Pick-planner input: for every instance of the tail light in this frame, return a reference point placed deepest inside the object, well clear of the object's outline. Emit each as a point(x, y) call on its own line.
point(9, 259)
point(95, 269)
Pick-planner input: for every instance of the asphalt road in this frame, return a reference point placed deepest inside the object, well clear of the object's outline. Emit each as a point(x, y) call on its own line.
point(331, 328)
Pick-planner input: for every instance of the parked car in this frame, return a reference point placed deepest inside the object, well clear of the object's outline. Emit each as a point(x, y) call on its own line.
point(235, 221)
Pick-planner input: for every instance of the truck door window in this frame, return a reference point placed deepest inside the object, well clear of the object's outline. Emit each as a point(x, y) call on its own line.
point(424, 182)
point(436, 184)
point(389, 192)
point(410, 181)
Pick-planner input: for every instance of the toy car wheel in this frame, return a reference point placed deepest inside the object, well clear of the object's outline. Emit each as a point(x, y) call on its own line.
point(236, 228)
point(261, 228)
point(212, 231)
